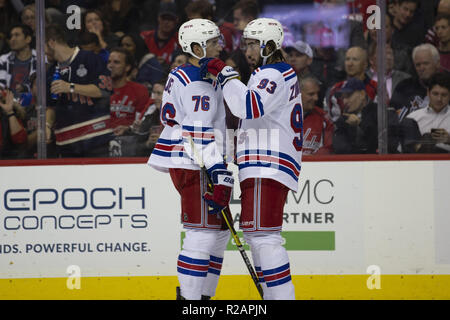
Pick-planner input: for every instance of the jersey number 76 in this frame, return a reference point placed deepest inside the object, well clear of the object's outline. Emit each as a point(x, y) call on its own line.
point(201, 100)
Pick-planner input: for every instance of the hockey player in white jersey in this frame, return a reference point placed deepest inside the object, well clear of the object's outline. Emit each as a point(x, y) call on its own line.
point(193, 107)
point(269, 147)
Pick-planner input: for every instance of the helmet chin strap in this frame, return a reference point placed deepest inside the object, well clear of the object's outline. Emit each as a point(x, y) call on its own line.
point(264, 58)
point(204, 53)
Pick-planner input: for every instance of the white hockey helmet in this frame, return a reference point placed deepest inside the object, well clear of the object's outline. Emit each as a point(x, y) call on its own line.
point(197, 31)
point(264, 30)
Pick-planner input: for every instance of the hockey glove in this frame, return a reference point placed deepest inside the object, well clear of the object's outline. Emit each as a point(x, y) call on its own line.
point(211, 65)
point(218, 69)
point(220, 197)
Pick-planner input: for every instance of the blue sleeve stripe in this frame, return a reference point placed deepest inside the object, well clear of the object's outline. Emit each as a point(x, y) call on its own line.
point(248, 106)
point(290, 77)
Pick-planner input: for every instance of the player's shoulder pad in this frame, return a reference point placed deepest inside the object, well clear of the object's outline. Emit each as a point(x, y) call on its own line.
point(188, 73)
point(282, 68)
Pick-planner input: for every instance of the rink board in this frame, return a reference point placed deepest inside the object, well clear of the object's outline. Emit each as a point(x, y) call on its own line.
point(114, 229)
point(232, 287)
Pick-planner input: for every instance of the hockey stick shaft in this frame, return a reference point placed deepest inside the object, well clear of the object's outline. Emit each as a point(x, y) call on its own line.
point(226, 214)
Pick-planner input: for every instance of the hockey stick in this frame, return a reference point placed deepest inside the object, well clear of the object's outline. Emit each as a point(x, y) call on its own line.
point(227, 217)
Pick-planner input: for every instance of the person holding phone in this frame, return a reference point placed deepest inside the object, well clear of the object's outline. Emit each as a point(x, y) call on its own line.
point(427, 130)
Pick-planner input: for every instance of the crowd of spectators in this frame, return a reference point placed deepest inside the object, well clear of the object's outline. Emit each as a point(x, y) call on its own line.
point(111, 74)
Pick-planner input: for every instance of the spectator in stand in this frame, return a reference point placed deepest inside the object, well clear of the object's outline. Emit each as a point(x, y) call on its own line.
point(13, 136)
point(203, 9)
point(89, 41)
point(129, 98)
point(30, 124)
point(442, 9)
point(8, 17)
point(428, 130)
point(317, 126)
point(409, 27)
point(244, 11)
point(357, 127)
point(411, 93)
point(147, 70)
point(151, 71)
point(325, 66)
point(128, 103)
point(179, 60)
point(402, 55)
point(149, 128)
point(135, 45)
point(356, 62)
point(442, 28)
point(93, 21)
point(123, 16)
point(300, 57)
point(392, 77)
point(163, 41)
point(82, 105)
point(17, 65)
point(138, 49)
point(27, 16)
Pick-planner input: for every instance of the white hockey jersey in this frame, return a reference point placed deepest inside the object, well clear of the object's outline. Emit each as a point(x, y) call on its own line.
point(193, 107)
point(270, 137)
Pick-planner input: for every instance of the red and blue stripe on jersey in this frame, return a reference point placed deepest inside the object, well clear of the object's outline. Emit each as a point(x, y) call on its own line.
point(269, 158)
point(285, 69)
point(200, 135)
point(188, 73)
point(169, 148)
point(253, 105)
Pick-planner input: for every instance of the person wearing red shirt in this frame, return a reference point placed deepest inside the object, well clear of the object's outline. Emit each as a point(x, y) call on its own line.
point(12, 132)
point(203, 9)
point(129, 98)
point(317, 126)
point(356, 62)
point(163, 41)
